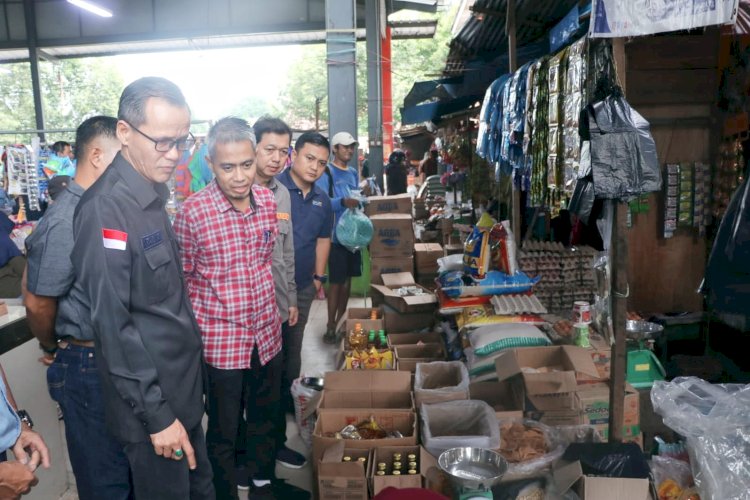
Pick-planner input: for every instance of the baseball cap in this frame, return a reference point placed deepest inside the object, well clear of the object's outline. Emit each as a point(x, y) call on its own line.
point(343, 138)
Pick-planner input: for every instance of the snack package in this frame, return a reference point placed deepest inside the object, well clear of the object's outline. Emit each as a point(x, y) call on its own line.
point(476, 248)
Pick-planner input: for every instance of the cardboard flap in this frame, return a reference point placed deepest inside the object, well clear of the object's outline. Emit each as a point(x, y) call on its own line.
point(368, 381)
point(334, 453)
point(581, 360)
point(566, 474)
point(549, 383)
point(398, 279)
point(506, 365)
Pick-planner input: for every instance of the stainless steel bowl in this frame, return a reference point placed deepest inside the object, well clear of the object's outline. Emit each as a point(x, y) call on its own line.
point(473, 468)
point(642, 330)
point(313, 382)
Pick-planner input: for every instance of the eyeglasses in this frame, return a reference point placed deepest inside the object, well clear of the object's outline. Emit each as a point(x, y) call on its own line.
point(166, 145)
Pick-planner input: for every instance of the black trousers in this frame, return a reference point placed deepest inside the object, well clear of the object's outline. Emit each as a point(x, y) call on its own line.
point(257, 390)
point(166, 478)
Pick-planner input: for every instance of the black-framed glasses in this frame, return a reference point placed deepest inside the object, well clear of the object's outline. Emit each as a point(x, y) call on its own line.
point(166, 145)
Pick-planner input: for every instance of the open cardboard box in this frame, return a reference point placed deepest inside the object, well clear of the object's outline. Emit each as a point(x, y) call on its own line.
point(440, 381)
point(367, 389)
point(344, 480)
point(396, 204)
point(398, 322)
point(570, 475)
point(553, 384)
point(426, 302)
point(384, 454)
point(361, 315)
point(389, 265)
point(393, 235)
point(426, 256)
point(331, 421)
point(504, 397)
point(407, 356)
point(412, 338)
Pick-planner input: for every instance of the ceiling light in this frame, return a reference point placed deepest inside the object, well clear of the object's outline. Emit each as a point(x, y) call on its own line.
point(91, 7)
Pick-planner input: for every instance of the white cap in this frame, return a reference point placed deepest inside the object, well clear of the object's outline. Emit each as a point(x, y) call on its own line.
point(343, 138)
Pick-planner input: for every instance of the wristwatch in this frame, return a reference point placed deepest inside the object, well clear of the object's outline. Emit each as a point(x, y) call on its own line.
point(322, 278)
point(51, 352)
point(25, 418)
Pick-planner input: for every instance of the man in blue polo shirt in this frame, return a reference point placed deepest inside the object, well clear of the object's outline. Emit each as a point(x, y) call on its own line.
point(312, 221)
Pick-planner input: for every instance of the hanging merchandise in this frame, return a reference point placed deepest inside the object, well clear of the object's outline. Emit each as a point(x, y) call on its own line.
point(571, 109)
point(23, 174)
point(700, 197)
point(556, 85)
point(536, 155)
point(671, 200)
point(490, 125)
point(514, 105)
point(685, 201)
point(728, 175)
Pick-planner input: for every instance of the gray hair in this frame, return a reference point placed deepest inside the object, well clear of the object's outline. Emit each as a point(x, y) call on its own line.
point(229, 129)
point(133, 99)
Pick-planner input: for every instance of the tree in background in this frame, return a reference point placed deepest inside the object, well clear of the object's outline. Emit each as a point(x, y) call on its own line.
point(72, 90)
point(412, 61)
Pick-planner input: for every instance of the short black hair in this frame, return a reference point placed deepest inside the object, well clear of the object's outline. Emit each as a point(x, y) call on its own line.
point(92, 128)
point(60, 146)
point(312, 138)
point(133, 100)
point(270, 125)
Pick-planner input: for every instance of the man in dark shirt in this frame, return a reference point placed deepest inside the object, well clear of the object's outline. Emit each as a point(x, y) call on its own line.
point(396, 173)
point(147, 340)
point(53, 309)
point(312, 220)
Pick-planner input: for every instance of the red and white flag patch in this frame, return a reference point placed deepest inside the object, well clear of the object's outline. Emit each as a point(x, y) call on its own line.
point(114, 239)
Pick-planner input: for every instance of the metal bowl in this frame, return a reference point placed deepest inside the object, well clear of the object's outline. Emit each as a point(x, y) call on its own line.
point(642, 330)
point(313, 383)
point(473, 468)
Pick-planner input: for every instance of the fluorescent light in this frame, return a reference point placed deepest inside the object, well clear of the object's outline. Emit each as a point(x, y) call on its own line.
point(91, 7)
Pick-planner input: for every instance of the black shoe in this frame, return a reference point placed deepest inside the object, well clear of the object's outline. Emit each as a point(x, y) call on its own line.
point(241, 476)
point(286, 457)
point(286, 491)
point(261, 492)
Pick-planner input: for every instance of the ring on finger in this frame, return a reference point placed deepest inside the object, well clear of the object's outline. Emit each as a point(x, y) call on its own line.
point(178, 453)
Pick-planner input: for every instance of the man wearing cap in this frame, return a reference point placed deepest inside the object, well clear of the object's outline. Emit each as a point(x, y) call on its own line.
point(338, 180)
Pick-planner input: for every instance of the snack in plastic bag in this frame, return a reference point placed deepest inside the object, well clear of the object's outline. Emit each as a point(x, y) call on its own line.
point(354, 229)
point(476, 248)
point(304, 396)
point(503, 248)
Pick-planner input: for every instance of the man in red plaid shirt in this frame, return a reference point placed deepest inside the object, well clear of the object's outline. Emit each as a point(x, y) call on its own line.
point(226, 233)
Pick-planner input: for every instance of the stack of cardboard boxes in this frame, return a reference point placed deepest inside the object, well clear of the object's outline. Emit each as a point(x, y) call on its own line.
point(350, 398)
point(561, 385)
point(392, 246)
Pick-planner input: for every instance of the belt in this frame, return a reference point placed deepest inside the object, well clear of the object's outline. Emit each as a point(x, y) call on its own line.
point(74, 341)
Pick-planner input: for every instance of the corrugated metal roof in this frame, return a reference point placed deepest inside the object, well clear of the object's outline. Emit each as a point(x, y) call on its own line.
point(483, 35)
point(406, 30)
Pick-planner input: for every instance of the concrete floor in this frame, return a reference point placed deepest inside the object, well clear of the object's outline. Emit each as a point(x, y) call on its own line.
point(317, 358)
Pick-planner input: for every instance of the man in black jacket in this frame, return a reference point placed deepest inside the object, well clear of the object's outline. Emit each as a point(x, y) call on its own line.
point(128, 264)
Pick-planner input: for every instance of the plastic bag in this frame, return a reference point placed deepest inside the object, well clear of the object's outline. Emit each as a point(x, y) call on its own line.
point(440, 377)
point(624, 460)
point(354, 229)
point(459, 423)
point(535, 467)
point(665, 469)
point(715, 419)
point(305, 398)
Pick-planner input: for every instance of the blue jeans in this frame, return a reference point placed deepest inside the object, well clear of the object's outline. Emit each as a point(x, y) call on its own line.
point(99, 463)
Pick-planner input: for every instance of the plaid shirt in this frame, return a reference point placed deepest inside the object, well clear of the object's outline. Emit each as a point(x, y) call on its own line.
point(226, 256)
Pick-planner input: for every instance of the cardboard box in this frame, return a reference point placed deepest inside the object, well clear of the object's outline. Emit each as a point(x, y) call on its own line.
point(389, 265)
point(591, 407)
point(426, 256)
point(397, 322)
point(407, 356)
point(331, 421)
point(343, 480)
point(393, 235)
point(412, 338)
point(380, 389)
point(440, 381)
point(427, 302)
point(553, 382)
point(397, 204)
point(361, 315)
point(570, 476)
point(384, 454)
point(504, 397)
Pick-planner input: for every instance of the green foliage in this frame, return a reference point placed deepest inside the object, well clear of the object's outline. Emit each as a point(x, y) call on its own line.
point(411, 61)
point(72, 90)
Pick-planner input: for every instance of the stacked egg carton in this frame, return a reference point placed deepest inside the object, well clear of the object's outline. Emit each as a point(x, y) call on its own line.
point(567, 274)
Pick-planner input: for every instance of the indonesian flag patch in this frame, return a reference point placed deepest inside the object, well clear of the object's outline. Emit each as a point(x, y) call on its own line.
point(114, 239)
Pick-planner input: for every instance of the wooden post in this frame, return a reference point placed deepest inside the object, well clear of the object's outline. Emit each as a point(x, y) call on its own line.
point(510, 30)
point(620, 290)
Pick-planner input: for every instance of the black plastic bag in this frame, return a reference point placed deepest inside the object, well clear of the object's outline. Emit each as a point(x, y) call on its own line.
point(609, 459)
